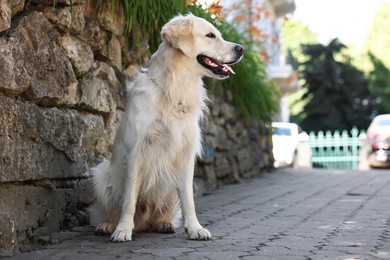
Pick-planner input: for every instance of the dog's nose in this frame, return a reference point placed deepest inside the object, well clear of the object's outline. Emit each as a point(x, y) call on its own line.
point(239, 49)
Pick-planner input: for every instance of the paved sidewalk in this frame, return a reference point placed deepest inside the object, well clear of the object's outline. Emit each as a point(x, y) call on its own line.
point(286, 214)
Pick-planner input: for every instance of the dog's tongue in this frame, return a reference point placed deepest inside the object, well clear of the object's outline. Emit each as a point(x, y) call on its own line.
point(226, 67)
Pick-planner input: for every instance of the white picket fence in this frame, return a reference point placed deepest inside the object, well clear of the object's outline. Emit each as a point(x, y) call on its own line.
point(336, 150)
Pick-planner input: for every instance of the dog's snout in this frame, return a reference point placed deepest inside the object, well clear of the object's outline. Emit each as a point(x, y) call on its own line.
point(239, 48)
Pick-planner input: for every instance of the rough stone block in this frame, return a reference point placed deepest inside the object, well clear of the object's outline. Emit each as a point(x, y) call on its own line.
point(29, 212)
point(8, 243)
point(110, 22)
point(104, 72)
point(210, 128)
point(246, 159)
point(79, 53)
point(12, 83)
point(222, 166)
point(16, 6)
point(221, 137)
point(211, 178)
point(38, 143)
point(66, 19)
point(113, 52)
point(199, 187)
point(228, 112)
point(94, 35)
point(5, 16)
point(33, 63)
point(96, 96)
point(244, 139)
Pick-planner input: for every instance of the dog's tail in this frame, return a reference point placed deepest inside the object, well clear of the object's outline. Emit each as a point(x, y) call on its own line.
point(100, 177)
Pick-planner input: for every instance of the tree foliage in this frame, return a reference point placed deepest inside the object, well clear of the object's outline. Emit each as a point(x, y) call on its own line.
point(380, 83)
point(337, 93)
point(295, 34)
point(378, 40)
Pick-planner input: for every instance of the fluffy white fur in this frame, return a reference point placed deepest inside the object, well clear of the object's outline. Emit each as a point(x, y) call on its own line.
point(149, 181)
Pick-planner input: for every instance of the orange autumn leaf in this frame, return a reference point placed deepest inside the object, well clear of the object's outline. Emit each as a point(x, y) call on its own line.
point(255, 17)
point(275, 40)
point(263, 54)
point(267, 13)
point(215, 8)
point(267, 60)
point(189, 2)
point(223, 16)
point(259, 9)
point(254, 30)
point(265, 36)
point(240, 18)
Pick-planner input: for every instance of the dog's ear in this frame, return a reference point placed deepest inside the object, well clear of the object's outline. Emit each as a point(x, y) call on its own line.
point(178, 32)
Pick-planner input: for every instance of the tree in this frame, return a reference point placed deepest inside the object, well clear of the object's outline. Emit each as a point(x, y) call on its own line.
point(380, 83)
point(295, 34)
point(378, 40)
point(337, 93)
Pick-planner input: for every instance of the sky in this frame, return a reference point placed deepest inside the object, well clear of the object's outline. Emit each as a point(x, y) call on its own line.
point(348, 20)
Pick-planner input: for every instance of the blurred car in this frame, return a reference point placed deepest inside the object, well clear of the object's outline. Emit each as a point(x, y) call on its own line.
point(291, 146)
point(378, 142)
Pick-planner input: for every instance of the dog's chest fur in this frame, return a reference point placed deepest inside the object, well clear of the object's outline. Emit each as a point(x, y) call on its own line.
point(167, 128)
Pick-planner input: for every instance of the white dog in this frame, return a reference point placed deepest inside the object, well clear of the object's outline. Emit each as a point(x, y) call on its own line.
point(151, 171)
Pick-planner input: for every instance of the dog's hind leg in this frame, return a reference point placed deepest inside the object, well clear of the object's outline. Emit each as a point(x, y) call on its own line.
point(191, 223)
point(104, 228)
point(165, 217)
point(106, 209)
point(108, 226)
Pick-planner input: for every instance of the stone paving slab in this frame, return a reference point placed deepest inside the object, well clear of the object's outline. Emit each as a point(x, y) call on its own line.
point(285, 214)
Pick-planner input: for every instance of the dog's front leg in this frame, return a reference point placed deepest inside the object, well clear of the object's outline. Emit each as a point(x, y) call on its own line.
point(191, 223)
point(124, 229)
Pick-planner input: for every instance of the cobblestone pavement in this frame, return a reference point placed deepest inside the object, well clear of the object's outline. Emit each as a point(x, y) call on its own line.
point(285, 214)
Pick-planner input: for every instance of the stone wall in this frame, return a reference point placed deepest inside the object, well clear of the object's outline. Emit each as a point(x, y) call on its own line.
point(231, 150)
point(61, 97)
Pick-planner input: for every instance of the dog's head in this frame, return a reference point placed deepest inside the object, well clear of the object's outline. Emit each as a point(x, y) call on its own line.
point(202, 42)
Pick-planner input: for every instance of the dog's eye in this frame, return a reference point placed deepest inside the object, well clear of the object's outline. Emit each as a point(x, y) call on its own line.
point(210, 35)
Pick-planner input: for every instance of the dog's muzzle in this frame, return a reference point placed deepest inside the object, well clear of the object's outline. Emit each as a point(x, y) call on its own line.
point(218, 67)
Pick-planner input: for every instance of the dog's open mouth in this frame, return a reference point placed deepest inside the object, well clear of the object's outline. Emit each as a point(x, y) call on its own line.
point(215, 66)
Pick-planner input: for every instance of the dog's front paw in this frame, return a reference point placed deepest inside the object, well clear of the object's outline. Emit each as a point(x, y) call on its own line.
point(199, 233)
point(121, 236)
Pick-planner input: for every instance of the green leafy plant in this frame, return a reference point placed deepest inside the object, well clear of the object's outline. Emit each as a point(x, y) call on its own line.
point(143, 19)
